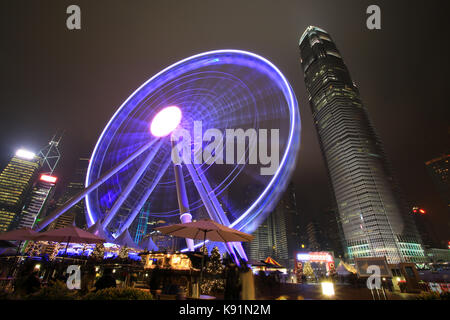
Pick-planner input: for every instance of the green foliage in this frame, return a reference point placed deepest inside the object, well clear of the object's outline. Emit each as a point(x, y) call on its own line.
point(99, 251)
point(434, 296)
point(308, 270)
point(57, 291)
point(119, 294)
point(123, 252)
point(214, 267)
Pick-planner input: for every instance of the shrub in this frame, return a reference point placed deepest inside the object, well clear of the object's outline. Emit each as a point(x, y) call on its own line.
point(57, 291)
point(118, 294)
point(434, 296)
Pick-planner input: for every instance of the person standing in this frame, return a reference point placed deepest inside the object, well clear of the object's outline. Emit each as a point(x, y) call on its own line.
point(247, 282)
point(106, 280)
point(232, 285)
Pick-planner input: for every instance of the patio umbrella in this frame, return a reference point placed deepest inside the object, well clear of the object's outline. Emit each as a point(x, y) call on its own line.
point(19, 234)
point(6, 244)
point(69, 234)
point(205, 230)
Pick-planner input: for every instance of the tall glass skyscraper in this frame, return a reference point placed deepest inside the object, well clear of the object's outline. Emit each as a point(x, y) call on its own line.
point(15, 183)
point(76, 185)
point(374, 220)
point(438, 170)
point(36, 205)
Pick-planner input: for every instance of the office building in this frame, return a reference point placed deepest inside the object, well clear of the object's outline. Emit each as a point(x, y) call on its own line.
point(374, 219)
point(15, 183)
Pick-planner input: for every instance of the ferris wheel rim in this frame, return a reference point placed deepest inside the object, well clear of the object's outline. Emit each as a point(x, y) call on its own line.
point(294, 129)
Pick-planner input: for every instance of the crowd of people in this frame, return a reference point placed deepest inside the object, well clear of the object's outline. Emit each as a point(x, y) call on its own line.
point(239, 281)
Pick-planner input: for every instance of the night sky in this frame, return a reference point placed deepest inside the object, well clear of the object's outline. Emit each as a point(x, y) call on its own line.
point(53, 78)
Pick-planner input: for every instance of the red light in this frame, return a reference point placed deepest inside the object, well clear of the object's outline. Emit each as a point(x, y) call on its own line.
point(47, 178)
point(422, 211)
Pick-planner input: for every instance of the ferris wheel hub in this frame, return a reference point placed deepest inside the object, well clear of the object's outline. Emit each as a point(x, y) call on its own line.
point(166, 121)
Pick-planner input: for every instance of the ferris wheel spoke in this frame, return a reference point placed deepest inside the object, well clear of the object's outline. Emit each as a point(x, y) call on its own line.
point(92, 186)
point(144, 198)
point(123, 196)
point(212, 205)
point(220, 212)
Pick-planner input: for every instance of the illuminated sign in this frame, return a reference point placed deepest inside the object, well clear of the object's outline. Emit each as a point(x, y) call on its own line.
point(47, 178)
point(315, 257)
point(25, 154)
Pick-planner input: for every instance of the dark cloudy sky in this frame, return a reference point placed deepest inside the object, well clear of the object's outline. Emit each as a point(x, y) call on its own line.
point(53, 78)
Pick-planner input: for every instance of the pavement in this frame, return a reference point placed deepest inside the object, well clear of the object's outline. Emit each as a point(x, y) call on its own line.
point(313, 291)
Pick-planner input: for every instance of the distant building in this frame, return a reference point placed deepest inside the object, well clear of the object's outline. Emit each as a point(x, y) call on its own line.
point(436, 255)
point(317, 240)
point(276, 237)
point(438, 170)
point(375, 222)
point(425, 228)
point(36, 205)
point(15, 184)
point(78, 212)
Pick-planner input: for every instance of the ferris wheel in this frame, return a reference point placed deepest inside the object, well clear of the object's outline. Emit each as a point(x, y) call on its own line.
point(132, 172)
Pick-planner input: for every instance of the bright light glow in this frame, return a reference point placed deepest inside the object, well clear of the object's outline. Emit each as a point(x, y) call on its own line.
point(422, 211)
point(315, 257)
point(327, 288)
point(165, 121)
point(37, 267)
point(47, 178)
point(25, 154)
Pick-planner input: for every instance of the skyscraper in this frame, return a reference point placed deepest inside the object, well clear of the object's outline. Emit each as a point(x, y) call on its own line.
point(37, 202)
point(76, 185)
point(374, 220)
point(438, 170)
point(276, 236)
point(15, 182)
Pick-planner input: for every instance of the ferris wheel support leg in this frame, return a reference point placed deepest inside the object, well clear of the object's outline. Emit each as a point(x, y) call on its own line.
point(214, 209)
point(144, 198)
point(183, 202)
point(123, 196)
point(94, 185)
point(221, 214)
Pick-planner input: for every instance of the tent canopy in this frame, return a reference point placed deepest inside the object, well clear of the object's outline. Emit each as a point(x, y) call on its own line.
point(125, 240)
point(148, 244)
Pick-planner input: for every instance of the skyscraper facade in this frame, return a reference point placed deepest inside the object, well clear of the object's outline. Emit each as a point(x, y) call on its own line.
point(15, 183)
point(438, 170)
point(374, 220)
point(270, 239)
point(78, 212)
point(36, 204)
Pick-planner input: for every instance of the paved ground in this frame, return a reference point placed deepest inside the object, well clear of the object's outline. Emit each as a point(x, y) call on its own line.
point(314, 292)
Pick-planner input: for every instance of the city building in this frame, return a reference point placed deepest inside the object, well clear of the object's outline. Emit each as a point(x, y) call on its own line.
point(78, 212)
point(15, 183)
point(438, 170)
point(437, 255)
point(317, 240)
point(271, 237)
point(425, 228)
point(41, 192)
point(374, 219)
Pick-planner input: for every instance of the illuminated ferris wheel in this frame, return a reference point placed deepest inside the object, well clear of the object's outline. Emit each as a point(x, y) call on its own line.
point(132, 170)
